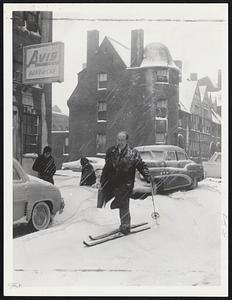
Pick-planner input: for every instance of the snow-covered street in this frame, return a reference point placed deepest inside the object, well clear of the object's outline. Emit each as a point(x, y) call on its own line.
point(184, 250)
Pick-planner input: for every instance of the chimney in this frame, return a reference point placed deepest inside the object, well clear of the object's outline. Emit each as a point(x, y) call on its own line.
point(92, 44)
point(137, 38)
point(193, 76)
point(178, 63)
point(219, 82)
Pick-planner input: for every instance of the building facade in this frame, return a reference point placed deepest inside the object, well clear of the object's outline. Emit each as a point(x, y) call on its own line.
point(60, 136)
point(140, 90)
point(124, 89)
point(202, 133)
point(32, 104)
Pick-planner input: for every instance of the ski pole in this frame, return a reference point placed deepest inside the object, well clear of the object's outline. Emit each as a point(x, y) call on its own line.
point(155, 215)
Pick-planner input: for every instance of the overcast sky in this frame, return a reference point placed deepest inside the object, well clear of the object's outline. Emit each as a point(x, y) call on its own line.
point(201, 44)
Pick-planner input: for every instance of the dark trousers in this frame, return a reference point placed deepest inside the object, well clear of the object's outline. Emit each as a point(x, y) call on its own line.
point(124, 214)
point(122, 201)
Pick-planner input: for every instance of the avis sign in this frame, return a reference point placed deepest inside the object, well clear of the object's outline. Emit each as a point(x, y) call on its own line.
point(43, 63)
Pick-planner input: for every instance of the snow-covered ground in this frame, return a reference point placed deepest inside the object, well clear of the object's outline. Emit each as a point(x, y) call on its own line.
point(184, 250)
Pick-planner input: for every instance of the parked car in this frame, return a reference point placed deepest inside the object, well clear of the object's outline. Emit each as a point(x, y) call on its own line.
point(35, 201)
point(212, 167)
point(170, 167)
point(97, 163)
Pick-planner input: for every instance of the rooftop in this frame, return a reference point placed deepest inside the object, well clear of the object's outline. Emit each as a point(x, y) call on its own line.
point(122, 50)
point(157, 55)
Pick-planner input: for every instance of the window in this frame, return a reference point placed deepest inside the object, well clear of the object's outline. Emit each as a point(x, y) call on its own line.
point(16, 175)
point(32, 19)
point(158, 155)
point(146, 155)
point(160, 138)
point(31, 120)
point(101, 110)
point(162, 108)
point(161, 75)
point(66, 146)
point(161, 126)
point(101, 143)
point(171, 155)
point(173, 76)
point(102, 81)
point(181, 155)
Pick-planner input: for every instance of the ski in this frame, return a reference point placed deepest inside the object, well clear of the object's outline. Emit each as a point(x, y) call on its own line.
point(104, 235)
point(113, 237)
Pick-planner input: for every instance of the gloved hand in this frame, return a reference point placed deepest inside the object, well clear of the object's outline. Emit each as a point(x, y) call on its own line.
point(148, 179)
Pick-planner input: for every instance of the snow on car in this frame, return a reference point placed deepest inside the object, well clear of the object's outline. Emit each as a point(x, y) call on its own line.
point(35, 201)
point(170, 167)
point(212, 167)
point(96, 162)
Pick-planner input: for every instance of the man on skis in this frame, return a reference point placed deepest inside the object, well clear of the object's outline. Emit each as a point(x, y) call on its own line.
point(118, 176)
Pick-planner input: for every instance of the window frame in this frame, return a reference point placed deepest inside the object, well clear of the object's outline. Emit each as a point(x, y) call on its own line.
point(178, 151)
point(31, 128)
point(171, 151)
point(102, 147)
point(99, 81)
point(158, 76)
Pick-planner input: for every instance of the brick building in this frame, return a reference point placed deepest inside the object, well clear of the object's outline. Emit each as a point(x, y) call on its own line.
point(200, 121)
point(32, 108)
point(124, 89)
point(140, 89)
point(60, 136)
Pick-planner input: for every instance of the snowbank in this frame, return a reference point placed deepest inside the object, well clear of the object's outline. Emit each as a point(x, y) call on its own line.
point(184, 250)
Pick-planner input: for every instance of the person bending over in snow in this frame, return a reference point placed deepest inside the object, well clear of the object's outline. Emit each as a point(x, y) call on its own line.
point(45, 165)
point(88, 176)
point(118, 176)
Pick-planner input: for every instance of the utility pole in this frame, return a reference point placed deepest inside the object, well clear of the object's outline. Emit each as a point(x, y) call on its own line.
point(46, 97)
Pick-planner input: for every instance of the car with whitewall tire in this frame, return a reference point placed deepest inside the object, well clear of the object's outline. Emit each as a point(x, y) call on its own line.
point(35, 201)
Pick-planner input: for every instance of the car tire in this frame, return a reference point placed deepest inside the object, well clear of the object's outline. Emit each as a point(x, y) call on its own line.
point(41, 216)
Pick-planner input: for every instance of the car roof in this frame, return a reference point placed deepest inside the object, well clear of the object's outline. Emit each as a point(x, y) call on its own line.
point(158, 148)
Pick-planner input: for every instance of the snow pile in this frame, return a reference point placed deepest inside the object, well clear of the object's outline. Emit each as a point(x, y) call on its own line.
point(183, 250)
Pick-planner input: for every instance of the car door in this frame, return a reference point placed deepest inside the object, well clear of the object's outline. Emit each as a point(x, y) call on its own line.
point(19, 195)
point(171, 160)
point(174, 178)
point(182, 159)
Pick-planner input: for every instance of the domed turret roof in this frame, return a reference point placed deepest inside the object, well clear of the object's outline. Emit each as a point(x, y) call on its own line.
point(157, 55)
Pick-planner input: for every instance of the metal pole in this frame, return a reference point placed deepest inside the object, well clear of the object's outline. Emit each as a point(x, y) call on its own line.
point(155, 215)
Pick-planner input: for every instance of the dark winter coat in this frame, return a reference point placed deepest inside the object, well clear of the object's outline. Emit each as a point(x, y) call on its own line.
point(88, 176)
point(45, 167)
point(119, 171)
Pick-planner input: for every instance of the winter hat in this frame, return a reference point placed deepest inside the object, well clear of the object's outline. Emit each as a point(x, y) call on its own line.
point(47, 149)
point(84, 161)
